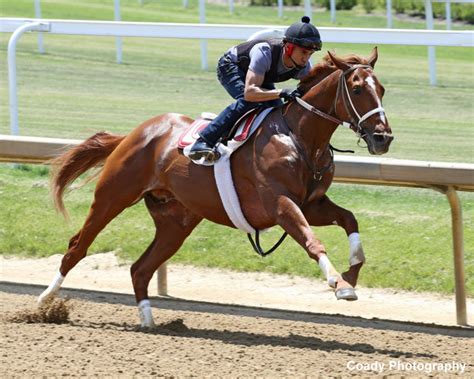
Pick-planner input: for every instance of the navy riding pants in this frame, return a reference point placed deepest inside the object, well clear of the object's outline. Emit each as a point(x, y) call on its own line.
point(232, 78)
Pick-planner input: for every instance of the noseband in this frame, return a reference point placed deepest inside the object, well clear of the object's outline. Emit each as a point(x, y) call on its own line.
point(356, 122)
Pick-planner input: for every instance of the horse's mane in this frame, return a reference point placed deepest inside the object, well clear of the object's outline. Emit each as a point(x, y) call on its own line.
point(325, 68)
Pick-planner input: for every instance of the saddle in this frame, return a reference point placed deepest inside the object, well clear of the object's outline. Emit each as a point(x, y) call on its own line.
point(239, 134)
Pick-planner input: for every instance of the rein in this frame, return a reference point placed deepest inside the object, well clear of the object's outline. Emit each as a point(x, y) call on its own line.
point(315, 110)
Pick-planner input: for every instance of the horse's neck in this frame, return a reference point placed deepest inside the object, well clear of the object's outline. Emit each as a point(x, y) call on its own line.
point(312, 131)
point(321, 73)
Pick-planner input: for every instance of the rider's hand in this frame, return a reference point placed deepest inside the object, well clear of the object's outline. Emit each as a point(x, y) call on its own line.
point(289, 94)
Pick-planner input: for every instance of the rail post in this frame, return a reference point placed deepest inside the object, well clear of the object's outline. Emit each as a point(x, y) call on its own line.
point(448, 14)
point(280, 8)
point(202, 20)
point(40, 35)
point(389, 14)
point(307, 8)
point(37, 26)
point(431, 49)
point(162, 274)
point(118, 40)
point(458, 250)
point(332, 6)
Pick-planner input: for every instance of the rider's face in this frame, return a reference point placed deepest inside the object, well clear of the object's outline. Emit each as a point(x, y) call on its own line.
point(301, 55)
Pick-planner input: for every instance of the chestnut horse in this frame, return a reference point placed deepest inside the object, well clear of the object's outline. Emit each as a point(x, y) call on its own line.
point(281, 176)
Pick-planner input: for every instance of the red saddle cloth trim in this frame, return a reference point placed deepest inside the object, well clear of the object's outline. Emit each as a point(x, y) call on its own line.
point(191, 134)
point(242, 136)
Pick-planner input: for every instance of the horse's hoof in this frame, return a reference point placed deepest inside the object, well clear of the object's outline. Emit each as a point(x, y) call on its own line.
point(45, 297)
point(145, 314)
point(348, 294)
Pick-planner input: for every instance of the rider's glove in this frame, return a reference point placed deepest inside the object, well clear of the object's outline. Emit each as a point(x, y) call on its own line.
point(289, 94)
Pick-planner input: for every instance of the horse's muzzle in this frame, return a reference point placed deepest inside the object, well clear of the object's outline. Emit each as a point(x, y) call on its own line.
point(378, 143)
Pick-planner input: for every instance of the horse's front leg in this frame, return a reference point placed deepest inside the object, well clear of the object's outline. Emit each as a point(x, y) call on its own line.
point(292, 220)
point(322, 212)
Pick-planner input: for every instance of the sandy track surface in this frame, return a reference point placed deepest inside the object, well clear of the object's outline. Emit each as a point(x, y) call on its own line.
point(103, 272)
point(202, 338)
point(208, 340)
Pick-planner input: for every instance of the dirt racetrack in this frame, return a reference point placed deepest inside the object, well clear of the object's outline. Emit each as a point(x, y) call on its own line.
point(199, 339)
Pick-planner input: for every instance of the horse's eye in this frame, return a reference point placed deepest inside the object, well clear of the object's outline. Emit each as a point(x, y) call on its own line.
point(357, 90)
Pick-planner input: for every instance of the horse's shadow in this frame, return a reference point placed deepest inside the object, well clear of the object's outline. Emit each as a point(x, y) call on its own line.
point(178, 328)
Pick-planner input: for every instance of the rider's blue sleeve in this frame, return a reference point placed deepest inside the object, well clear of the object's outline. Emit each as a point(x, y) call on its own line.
point(260, 58)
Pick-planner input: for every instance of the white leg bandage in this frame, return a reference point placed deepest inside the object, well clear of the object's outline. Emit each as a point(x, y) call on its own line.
point(52, 289)
point(356, 253)
point(328, 269)
point(144, 312)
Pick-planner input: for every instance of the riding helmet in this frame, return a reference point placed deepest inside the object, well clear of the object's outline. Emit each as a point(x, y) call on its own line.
point(303, 34)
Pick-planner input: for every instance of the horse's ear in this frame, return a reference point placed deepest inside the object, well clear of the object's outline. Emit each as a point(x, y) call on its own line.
point(373, 57)
point(339, 63)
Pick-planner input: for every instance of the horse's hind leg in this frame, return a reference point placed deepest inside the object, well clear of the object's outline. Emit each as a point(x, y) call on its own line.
point(324, 212)
point(173, 224)
point(103, 210)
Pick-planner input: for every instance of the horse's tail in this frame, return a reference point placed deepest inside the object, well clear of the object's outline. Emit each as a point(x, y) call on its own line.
point(76, 161)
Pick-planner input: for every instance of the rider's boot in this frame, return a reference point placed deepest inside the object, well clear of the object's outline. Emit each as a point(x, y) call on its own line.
point(202, 148)
point(220, 126)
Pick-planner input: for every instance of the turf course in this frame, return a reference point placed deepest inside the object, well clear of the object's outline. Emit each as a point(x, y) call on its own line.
point(76, 89)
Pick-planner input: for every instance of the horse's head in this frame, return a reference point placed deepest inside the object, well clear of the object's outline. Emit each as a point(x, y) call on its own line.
point(359, 102)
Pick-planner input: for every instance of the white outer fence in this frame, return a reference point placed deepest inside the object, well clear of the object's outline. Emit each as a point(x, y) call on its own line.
point(242, 32)
point(214, 31)
point(446, 178)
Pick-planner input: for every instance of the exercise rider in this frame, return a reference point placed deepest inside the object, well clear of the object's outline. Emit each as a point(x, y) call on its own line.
point(248, 72)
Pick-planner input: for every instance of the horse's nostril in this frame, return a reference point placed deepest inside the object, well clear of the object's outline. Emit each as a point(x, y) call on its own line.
point(379, 138)
point(382, 137)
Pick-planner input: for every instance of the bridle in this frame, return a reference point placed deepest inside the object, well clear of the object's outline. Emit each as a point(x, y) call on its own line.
point(346, 98)
point(342, 90)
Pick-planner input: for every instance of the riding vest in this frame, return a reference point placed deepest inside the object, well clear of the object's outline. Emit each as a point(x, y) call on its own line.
point(271, 76)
